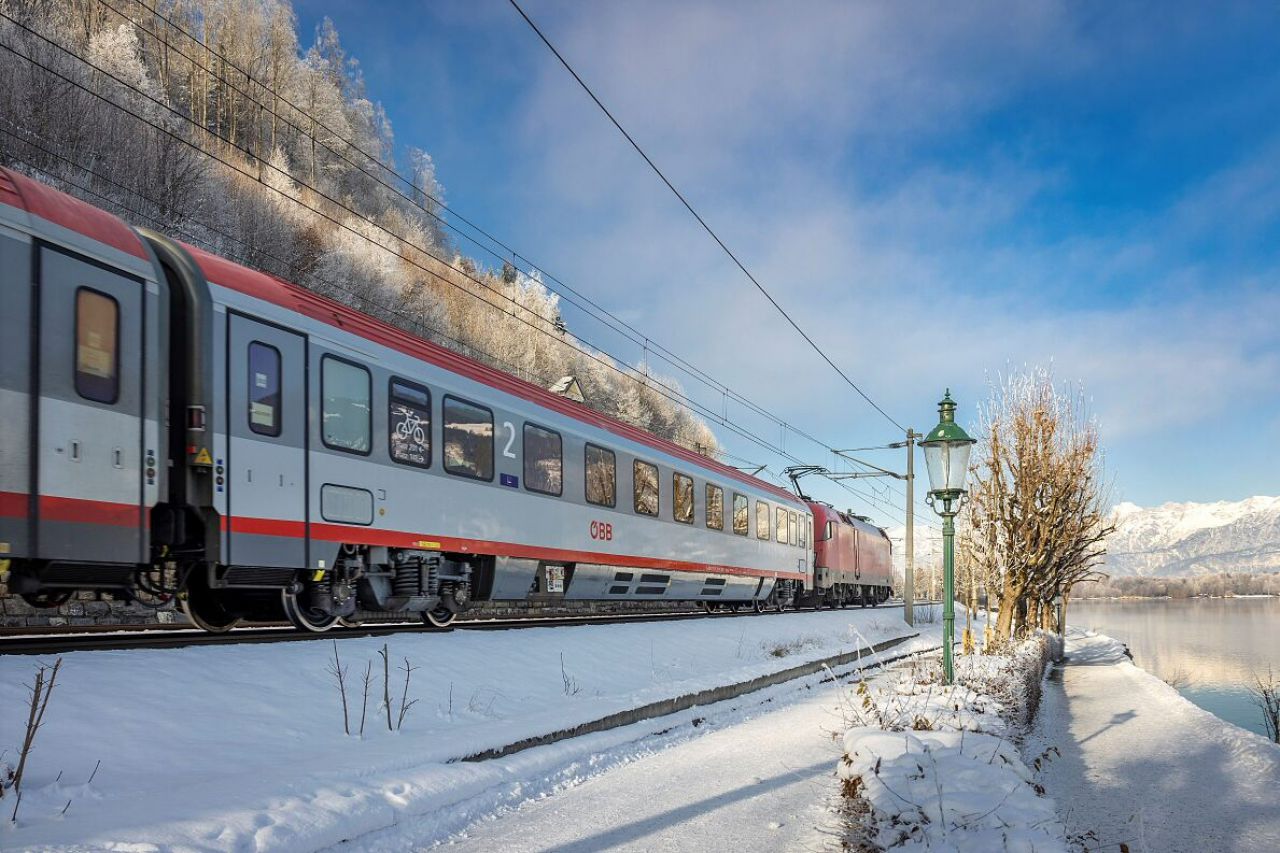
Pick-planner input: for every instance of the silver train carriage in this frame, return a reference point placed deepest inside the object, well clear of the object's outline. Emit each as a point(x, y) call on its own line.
point(170, 420)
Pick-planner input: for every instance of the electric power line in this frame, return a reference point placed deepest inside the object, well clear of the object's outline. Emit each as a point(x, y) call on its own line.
point(664, 391)
point(613, 322)
point(689, 207)
point(591, 308)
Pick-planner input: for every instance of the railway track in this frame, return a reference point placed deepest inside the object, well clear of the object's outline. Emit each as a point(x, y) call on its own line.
point(115, 637)
point(27, 641)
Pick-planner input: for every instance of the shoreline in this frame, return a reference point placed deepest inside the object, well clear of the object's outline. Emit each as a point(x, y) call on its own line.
point(1173, 598)
point(1136, 757)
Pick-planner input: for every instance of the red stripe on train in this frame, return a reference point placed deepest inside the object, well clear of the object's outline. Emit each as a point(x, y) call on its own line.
point(89, 512)
point(75, 510)
point(13, 504)
point(401, 539)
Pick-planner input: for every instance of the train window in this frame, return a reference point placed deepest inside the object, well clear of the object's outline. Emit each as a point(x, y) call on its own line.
point(741, 521)
point(762, 520)
point(468, 439)
point(409, 423)
point(715, 507)
point(804, 543)
point(346, 409)
point(810, 526)
point(682, 506)
point(264, 389)
point(793, 522)
point(97, 346)
point(780, 516)
point(645, 477)
point(543, 460)
point(602, 476)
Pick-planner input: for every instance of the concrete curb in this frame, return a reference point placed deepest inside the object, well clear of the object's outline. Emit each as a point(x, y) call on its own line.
point(691, 700)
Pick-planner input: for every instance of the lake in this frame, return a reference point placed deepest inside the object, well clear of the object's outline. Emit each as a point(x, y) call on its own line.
point(1209, 648)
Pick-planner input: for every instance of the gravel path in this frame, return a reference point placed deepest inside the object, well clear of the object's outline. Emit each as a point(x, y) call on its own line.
point(1142, 766)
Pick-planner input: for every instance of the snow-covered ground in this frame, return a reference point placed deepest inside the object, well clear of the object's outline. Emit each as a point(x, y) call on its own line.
point(754, 774)
point(930, 767)
point(242, 747)
point(1141, 765)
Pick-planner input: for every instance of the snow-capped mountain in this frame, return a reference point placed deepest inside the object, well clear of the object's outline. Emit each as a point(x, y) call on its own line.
point(1195, 539)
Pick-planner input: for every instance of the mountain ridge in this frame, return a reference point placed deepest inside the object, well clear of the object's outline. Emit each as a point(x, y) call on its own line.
point(1181, 539)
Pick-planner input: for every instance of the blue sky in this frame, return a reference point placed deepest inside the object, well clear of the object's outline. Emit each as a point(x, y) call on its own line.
point(938, 194)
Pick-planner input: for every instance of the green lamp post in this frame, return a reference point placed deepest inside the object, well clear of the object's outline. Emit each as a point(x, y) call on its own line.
point(946, 455)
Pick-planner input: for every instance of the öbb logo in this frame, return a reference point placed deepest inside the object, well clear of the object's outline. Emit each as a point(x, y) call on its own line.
point(601, 530)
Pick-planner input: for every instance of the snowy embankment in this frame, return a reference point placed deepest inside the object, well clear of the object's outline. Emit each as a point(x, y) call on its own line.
point(242, 747)
point(1141, 765)
point(932, 767)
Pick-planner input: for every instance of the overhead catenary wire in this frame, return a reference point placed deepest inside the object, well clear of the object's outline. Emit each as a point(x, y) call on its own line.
point(576, 298)
point(660, 389)
point(168, 224)
point(701, 221)
point(592, 309)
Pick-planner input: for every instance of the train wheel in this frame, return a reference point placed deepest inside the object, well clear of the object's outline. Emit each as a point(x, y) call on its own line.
point(305, 618)
point(207, 611)
point(47, 598)
point(708, 606)
point(442, 618)
point(757, 605)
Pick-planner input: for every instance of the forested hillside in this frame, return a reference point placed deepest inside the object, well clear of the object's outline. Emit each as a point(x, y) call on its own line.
point(209, 120)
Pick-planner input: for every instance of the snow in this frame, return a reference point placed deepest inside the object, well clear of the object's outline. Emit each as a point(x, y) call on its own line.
point(964, 791)
point(1141, 765)
point(241, 747)
point(1195, 538)
point(930, 767)
point(758, 779)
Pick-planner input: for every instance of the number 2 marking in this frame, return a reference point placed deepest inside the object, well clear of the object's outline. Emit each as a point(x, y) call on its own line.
point(511, 439)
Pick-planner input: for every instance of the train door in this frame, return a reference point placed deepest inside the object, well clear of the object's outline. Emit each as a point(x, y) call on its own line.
point(15, 393)
point(89, 423)
point(266, 439)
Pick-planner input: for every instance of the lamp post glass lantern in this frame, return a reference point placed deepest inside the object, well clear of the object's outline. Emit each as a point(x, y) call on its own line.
point(946, 455)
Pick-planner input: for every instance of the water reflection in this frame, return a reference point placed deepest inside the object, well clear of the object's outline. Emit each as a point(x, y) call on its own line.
point(1209, 648)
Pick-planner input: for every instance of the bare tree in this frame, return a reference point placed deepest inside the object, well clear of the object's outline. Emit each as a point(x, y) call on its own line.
point(41, 690)
point(1036, 517)
point(405, 702)
point(1266, 695)
point(339, 674)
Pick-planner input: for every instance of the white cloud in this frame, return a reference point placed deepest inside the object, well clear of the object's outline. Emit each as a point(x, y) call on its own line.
point(909, 280)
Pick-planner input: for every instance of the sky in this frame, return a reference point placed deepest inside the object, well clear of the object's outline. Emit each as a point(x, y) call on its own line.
point(938, 194)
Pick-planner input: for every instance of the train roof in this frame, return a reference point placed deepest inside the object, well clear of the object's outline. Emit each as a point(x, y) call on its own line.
point(823, 512)
point(293, 297)
point(18, 190)
point(40, 200)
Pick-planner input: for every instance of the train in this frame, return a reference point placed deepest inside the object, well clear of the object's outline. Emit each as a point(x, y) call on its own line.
point(173, 423)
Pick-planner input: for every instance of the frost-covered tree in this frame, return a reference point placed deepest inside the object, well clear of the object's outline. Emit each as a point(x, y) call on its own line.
point(208, 119)
point(1036, 522)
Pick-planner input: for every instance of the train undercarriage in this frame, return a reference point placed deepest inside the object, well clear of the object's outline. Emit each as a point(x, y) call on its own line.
point(368, 583)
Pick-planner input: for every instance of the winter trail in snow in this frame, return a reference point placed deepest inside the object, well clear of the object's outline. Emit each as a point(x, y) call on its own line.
point(764, 784)
point(1143, 766)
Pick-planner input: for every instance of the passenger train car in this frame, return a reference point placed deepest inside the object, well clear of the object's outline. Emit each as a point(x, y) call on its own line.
point(172, 421)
